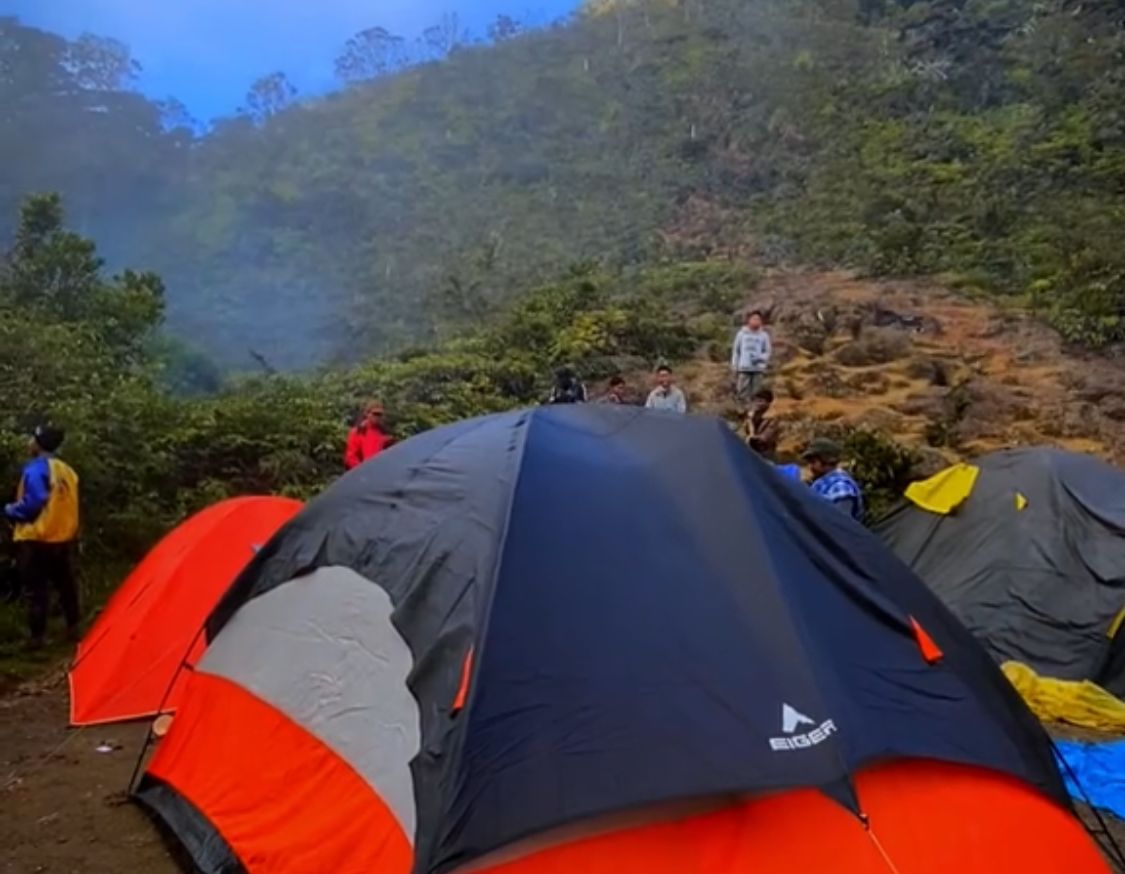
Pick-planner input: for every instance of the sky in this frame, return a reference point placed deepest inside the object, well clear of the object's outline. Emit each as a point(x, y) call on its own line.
point(207, 52)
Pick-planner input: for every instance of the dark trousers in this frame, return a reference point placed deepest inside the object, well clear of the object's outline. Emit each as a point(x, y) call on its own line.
point(747, 384)
point(41, 566)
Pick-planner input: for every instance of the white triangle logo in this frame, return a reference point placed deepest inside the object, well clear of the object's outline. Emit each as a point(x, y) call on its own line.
point(791, 719)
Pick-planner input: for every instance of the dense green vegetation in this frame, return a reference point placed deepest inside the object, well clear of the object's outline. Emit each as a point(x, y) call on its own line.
point(982, 138)
point(82, 350)
point(78, 350)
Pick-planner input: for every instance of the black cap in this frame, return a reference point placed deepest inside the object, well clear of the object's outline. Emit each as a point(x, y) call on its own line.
point(47, 438)
point(828, 451)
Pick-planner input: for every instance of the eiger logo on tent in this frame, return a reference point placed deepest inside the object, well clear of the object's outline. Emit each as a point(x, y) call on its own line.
point(791, 721)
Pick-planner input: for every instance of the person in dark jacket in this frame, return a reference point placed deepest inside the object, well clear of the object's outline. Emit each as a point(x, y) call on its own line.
point(367, 439)
point(762, 431)
point(46, 518)
point(568, 388)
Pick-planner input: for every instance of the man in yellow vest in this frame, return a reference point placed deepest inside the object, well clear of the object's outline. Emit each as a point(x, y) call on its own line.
point(46, 525)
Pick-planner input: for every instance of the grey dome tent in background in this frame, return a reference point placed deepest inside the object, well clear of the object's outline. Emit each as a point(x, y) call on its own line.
point(1031, 558)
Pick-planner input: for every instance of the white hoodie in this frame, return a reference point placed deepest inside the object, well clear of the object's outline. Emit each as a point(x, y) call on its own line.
point(752, 351)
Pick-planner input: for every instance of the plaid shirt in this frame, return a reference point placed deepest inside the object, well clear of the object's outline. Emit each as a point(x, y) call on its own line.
point(838, 487)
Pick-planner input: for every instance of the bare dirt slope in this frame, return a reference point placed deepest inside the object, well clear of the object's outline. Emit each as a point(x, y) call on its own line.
point(63, 808)
point(926, 365)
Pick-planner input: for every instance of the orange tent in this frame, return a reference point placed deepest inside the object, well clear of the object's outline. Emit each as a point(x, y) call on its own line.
point(128, 665)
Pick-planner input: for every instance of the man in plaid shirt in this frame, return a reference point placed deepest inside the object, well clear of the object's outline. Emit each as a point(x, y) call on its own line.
point(830, 482)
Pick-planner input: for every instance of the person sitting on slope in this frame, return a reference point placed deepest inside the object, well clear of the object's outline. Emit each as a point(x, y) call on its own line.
point(617, 393)
point(761, 430)
point(666, 396)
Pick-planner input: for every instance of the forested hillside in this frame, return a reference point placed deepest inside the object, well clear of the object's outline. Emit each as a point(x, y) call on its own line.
point(81, 349)
point(981, 138)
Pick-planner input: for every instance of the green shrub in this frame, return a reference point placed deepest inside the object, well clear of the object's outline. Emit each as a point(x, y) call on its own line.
point(881, 465)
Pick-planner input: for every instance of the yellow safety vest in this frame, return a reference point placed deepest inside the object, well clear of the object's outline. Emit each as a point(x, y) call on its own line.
point(58, 521)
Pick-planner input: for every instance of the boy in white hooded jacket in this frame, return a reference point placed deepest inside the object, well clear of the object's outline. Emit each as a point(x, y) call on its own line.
point(750, 358)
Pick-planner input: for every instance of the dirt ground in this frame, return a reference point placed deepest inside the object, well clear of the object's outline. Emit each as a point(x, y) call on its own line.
point(63, 806)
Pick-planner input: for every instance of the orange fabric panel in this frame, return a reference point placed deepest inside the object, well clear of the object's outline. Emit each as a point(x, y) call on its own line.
point(931, 652)
point(466, 675)
point(284, 802)
point(938, 817)
point(926, 818)
point(131, 657)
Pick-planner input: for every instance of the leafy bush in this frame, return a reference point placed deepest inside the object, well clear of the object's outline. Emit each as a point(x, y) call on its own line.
point(595, 317)
point(880, 464)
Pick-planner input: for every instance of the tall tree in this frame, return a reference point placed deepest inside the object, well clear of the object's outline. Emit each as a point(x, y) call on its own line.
point(54, 274)
point(101, 64)
point(503, 28)
point(440, 40)
point(49, 268)
point(369, 54)
point(175, 116)
point(268, 96)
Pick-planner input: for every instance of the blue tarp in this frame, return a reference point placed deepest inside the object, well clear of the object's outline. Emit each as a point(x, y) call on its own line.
point(1095, 773)
point(790, 471)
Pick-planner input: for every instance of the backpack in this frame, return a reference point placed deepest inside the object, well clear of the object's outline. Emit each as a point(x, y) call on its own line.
point(569, 392)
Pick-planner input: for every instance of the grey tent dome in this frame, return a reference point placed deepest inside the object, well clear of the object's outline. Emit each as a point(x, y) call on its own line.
point(1032, 562)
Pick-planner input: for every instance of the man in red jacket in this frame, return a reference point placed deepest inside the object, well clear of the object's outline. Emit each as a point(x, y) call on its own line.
point(367, 439)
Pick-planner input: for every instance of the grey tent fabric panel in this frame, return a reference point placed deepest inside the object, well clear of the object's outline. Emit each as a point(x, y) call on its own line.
point(1041, 585)
point(424, 521)
point(323, 650)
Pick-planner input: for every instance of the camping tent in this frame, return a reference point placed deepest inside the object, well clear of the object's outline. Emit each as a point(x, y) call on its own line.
point(597, 639)
point(128, 665)
point(1027, 547)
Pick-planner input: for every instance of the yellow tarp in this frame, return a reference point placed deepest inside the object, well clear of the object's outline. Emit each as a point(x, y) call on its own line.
point(944, 492)
point(1080, 703)
point(1115, 625)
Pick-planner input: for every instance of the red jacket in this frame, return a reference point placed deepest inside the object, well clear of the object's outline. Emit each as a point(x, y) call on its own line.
point(364, 442)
